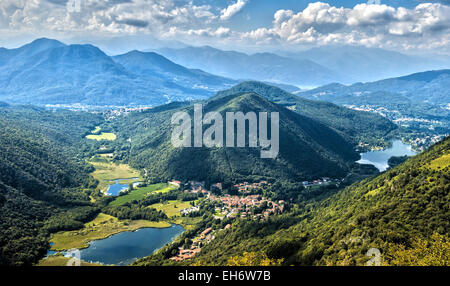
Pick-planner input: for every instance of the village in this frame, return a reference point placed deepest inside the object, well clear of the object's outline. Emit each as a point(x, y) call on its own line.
point(246, 206)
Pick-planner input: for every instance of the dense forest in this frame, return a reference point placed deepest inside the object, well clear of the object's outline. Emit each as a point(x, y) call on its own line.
point(42, 174)
point(404, 212)
point(309, 149)
point(355, 126)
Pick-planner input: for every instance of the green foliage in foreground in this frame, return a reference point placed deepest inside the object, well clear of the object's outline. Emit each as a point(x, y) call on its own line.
point(434, 251)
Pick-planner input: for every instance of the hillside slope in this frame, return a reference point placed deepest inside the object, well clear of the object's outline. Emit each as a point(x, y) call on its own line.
point(40, 176)
point(308, 148)
point(355, 126)
point(394, 210)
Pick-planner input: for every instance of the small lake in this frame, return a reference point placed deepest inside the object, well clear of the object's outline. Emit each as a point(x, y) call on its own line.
point(126, 247)
point(380, 158)
point(115, 189)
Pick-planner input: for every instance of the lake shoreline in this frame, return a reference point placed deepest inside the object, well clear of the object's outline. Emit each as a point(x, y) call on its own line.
point(380, 158)
point(80, 239)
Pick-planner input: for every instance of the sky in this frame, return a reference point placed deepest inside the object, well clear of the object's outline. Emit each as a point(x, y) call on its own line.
point(410, 26)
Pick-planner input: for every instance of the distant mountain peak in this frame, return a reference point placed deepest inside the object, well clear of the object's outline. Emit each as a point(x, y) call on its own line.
point(43, 44)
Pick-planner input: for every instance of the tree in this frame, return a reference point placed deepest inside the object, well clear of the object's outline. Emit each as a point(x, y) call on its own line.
point(423, 252)
point(253, 259)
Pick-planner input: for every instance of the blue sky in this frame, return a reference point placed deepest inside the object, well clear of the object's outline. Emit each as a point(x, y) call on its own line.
point(403, 25)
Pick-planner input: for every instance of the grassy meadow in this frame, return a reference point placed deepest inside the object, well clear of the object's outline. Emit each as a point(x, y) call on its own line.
point(140, 193)
point(171, 208)
point(106, 172)
point(102, 137)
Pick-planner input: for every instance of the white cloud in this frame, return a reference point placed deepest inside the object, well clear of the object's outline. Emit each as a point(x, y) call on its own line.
point(111, 16)
point(232, 10)
point(427, 25)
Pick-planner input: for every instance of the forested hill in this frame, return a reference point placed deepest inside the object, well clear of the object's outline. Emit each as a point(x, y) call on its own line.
point(355, 126)
point(308, 148)
point(40, 174)
point(403, 212)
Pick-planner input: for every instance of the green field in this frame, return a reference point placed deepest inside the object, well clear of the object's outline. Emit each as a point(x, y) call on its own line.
point(102, 136)
point(140, 193)
point(187, 222)
point(106, 172)
point(101, 227)
point(171, 208)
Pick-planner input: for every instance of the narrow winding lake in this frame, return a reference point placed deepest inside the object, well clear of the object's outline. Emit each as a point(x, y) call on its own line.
point(380, 158)
point(125, 247)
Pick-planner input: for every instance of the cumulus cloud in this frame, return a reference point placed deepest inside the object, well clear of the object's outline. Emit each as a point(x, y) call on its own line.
point(427, 25)
point(110, 16)
point(232, 10)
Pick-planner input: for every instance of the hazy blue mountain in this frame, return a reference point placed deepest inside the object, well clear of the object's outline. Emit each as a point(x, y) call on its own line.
point(425, 87)
point(153, 64)
point(261, 66)
point(368, 64)
point(28, 50)
point(49, 72)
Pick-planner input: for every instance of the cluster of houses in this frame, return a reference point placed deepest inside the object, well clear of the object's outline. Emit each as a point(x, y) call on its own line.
point(189, 210)
point(234, 206)
point(197, 243)
point(248, 188)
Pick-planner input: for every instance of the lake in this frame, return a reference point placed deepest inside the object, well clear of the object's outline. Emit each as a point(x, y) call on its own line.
point(126, 247)
point(116, 188)
point(380, 158)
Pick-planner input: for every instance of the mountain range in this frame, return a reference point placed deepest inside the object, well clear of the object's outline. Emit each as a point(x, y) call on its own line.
point(50, 72)
point(419, 96)
point(314, 67)
point(261, 66)
point(362, 64)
